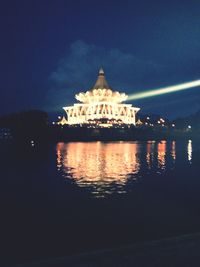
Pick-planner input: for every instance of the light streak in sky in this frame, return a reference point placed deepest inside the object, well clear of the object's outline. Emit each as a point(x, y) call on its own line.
point(164, 90)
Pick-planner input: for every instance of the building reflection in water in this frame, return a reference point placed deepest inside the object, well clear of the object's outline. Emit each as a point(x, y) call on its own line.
point(105, 168)
point(150, 154)
point(173, 151)
point(189, 151)
point(59, 158)
point(161, 150)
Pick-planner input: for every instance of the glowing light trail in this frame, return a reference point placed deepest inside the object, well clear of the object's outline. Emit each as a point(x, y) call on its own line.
point(164, 90)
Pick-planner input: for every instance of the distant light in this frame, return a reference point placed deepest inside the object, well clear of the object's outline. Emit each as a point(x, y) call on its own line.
point(189, 126)
point(59, 117)
point(53, 122)
point(148, 118)
point(173, 125)
point(164, 90)
point(189, 150)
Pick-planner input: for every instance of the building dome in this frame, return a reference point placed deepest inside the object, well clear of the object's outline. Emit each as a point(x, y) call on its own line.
point(101, 92)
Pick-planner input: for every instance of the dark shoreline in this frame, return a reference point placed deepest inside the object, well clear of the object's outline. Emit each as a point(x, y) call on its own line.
point(68, 134)
point(182, 250)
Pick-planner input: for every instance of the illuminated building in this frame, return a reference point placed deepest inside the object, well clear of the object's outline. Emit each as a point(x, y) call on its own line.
point(101, 105)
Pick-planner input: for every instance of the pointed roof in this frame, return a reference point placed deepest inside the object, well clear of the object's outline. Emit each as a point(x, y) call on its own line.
point(101, 82)
point(101, 92)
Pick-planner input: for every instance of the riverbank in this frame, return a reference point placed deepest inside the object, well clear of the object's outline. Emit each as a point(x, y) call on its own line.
point(176, 251)
point(66, 133)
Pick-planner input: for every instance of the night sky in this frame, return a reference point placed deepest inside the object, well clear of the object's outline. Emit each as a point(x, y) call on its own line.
point(52, 49)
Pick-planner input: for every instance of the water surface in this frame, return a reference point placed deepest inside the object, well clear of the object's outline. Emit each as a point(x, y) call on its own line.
point(80, 196)
point(106, 168)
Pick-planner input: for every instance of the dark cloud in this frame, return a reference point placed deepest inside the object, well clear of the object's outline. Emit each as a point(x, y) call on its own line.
point(77, 71)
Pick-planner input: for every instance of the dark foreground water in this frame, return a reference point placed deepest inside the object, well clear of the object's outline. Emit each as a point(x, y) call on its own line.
point(76, 197)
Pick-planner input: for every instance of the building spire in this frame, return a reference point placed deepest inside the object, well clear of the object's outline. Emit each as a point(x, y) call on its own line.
point(101, 71)
point(101, 82)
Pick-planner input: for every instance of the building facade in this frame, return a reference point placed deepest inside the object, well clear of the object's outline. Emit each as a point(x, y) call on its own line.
point(101, 104)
